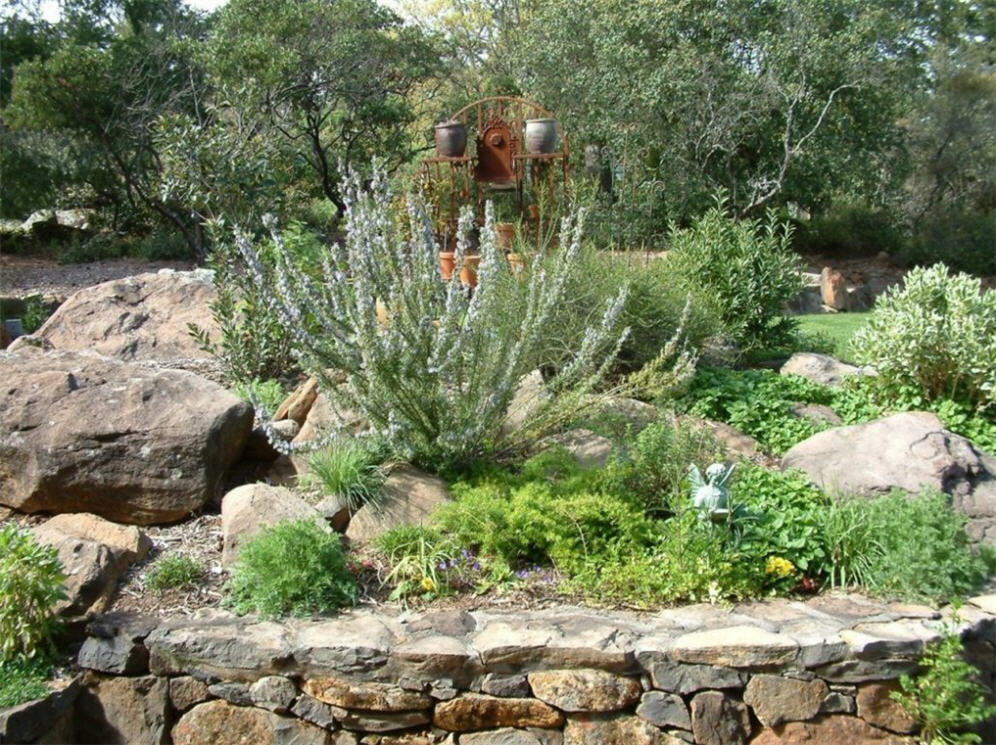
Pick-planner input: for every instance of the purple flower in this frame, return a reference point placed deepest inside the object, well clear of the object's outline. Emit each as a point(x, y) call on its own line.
point(522, 573)
point(453, 563)
point(477, 566)
point(442, 565)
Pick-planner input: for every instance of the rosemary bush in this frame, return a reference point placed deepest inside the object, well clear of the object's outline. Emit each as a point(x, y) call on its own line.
point(435, 375)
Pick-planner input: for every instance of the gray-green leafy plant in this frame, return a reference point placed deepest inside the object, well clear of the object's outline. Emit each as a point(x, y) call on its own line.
point(435, 372)
point(291, 568)
point(936, 333)
point(31, 583)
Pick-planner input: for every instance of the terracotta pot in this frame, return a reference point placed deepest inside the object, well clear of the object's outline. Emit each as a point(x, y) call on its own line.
point(451, 139)
point(534, 212)
point(468, 270)
point(506, 234)
point(447, 263)
point(541, 136)
point(517, 262)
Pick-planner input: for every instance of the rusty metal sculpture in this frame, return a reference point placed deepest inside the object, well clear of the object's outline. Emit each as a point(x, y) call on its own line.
point(500, 161)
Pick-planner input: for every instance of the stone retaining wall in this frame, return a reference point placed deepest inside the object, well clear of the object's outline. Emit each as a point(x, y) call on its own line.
point(768, 673)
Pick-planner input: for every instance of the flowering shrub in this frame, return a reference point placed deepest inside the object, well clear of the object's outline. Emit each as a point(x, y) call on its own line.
point(434, 371)
point(936, 333)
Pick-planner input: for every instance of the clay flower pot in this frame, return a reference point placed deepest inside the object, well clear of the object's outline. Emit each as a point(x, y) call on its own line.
point(451, 139)
point(541, 136)
point(505, 232)
point(447, 263)
point(468, 270)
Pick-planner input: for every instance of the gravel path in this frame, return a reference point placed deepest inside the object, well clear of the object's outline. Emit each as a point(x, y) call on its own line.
point(24, 275)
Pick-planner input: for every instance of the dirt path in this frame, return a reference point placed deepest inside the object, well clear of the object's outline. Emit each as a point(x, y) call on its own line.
point(25, 275)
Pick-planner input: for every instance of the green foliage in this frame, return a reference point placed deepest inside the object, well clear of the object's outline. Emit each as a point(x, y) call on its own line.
point(347, 468)
point(23, 680)
point(654, 468)
point(436, 371)
point(292, 568)
point(779, 516)
point(35, 314)
point(31, 583)
point(945, 697)
point(851, 542)
point(757, 402)
point(925, 553)
point(173, 572)
point(936, 334)
point(265, 394)
point(419, 559)
point(747, 266)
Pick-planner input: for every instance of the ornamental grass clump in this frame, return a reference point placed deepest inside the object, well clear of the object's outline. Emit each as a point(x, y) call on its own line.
point(431, 366)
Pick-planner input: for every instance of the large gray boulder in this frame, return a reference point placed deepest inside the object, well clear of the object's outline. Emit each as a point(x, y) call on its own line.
point(134, 444)
point(409, 497)
point(144, 317)
point(910, 451)
point(820, 368)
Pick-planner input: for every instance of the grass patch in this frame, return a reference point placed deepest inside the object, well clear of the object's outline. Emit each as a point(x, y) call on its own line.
point(24, 680)
point(834, 328)
point(174, 571)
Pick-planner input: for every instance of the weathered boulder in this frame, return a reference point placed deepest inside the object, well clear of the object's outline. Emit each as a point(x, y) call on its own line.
point(84, 433)
point(588, 449)
point(123, 711)
point(909, 451)
point(831, 730)
point(474, 711)
point(718, 719)
point(819, 368)
point(144, 317)
point(297, 405)
point(582, 729)
point(408, 498)
point(115, 644)
point(833, 289)
point(48, 719)
point(584, 690)
point(530, 396)
point(323, 416)
point(94, 553)
point(775, 699)
point(221, 723)
point(246, 509)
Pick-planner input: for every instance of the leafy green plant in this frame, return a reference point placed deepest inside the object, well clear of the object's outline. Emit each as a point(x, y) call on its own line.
point(291, 568)
point(418, 559)
point(24, 680)
point(925, 553)
point(935, 334)
point(31, 583)
point(654, 467)
point(747, 266)
point(347, 468)
point(35, 314)
point(174, 571)
point(757, 402)
point(851, 542)
point(265, 394)
point(945, 697)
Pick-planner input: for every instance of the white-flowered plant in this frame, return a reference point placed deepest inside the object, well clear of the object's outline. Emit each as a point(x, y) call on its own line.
point(937, 333)
point(430, 365)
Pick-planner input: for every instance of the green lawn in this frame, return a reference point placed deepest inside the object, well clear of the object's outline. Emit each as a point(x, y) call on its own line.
point(838, 327)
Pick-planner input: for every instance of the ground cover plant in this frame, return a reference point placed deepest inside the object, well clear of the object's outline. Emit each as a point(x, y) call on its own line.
point(628, 534)
point(291, 568)
point(31, 583)
point(172, 572)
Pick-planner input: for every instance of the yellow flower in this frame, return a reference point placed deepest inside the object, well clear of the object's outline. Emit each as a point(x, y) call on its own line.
point(778, 565)
point(427, 584)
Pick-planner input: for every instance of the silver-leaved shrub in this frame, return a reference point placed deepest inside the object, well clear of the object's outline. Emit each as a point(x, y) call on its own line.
point(937, 333)
point(431, 366)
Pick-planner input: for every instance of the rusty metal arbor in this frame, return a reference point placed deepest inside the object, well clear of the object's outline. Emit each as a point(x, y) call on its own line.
point(507, 152)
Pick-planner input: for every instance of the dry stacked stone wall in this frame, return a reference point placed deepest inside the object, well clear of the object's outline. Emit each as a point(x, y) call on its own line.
point(768, 673)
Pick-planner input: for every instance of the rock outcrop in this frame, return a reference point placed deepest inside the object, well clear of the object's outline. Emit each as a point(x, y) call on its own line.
point(84, 433)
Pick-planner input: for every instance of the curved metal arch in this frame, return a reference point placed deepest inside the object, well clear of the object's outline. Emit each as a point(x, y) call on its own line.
point(481, 103)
